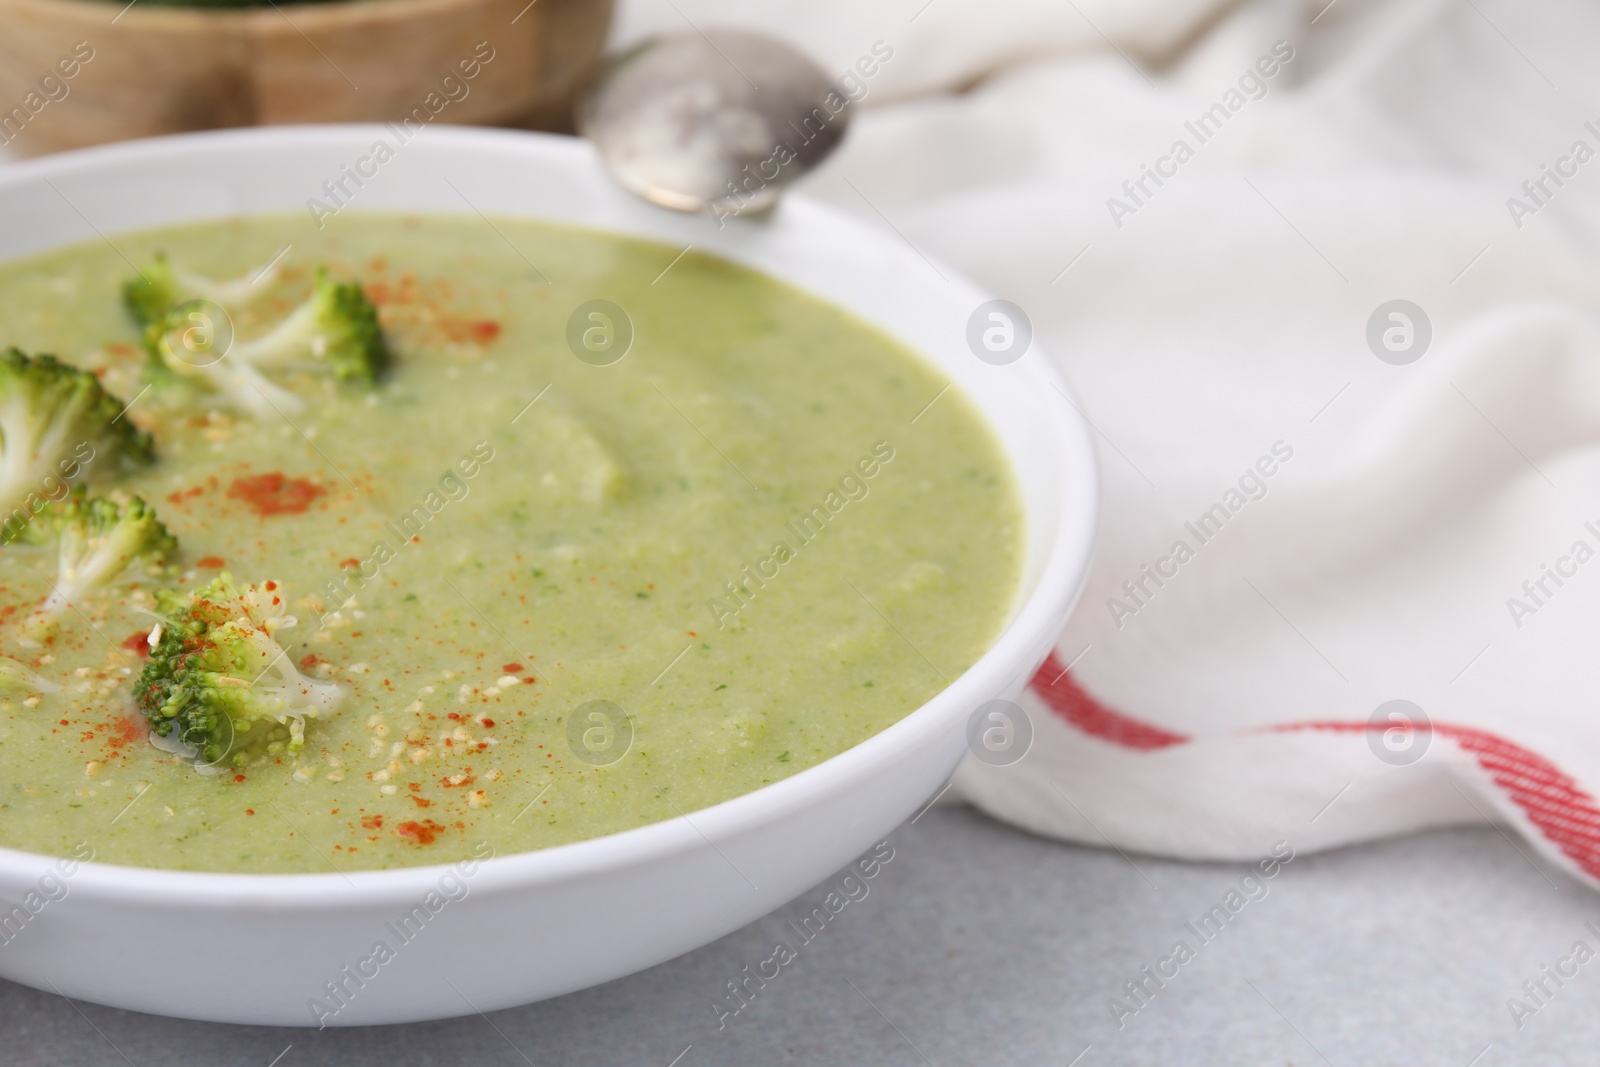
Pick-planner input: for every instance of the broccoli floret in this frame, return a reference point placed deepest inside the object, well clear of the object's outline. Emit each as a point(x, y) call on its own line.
point(336, 323)
point(149, 296)
point(98, 540)
point(15, 678)
point(54, 421)
point(161, 287)
point(189, 348)
point(219, 679)
point(29, 525)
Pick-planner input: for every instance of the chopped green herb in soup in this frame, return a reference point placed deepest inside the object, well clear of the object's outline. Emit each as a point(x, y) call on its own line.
point(366, 547)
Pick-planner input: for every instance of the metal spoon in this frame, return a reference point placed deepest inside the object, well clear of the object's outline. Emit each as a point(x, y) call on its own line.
point(719, 121)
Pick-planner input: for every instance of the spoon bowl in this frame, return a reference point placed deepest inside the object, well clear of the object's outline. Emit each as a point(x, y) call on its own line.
point(719, 122)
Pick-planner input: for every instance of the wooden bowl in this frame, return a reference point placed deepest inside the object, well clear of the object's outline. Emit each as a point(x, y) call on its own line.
point(82, 72)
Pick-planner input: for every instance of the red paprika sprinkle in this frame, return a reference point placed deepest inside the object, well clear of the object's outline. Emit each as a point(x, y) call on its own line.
point(423, 833)
point(275, 494)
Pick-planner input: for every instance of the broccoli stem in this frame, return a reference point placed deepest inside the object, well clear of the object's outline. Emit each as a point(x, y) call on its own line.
point(15, 678)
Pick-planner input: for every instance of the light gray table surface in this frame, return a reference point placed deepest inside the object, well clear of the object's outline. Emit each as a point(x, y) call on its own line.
point(980, 944)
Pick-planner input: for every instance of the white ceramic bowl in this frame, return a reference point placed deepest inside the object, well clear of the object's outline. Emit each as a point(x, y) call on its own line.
point(258, 948)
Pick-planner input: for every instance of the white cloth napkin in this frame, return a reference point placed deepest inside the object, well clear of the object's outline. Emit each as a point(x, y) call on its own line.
point(1216, 327)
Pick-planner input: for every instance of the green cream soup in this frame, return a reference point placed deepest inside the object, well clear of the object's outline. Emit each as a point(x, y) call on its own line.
point(751, 538)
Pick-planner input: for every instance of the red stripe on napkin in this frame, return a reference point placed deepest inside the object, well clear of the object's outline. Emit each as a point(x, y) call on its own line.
point(1567, 816)
point(1069, 701)
point(1552, 801)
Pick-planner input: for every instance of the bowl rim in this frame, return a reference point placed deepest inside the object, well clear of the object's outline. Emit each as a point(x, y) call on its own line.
point(1061, 578)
